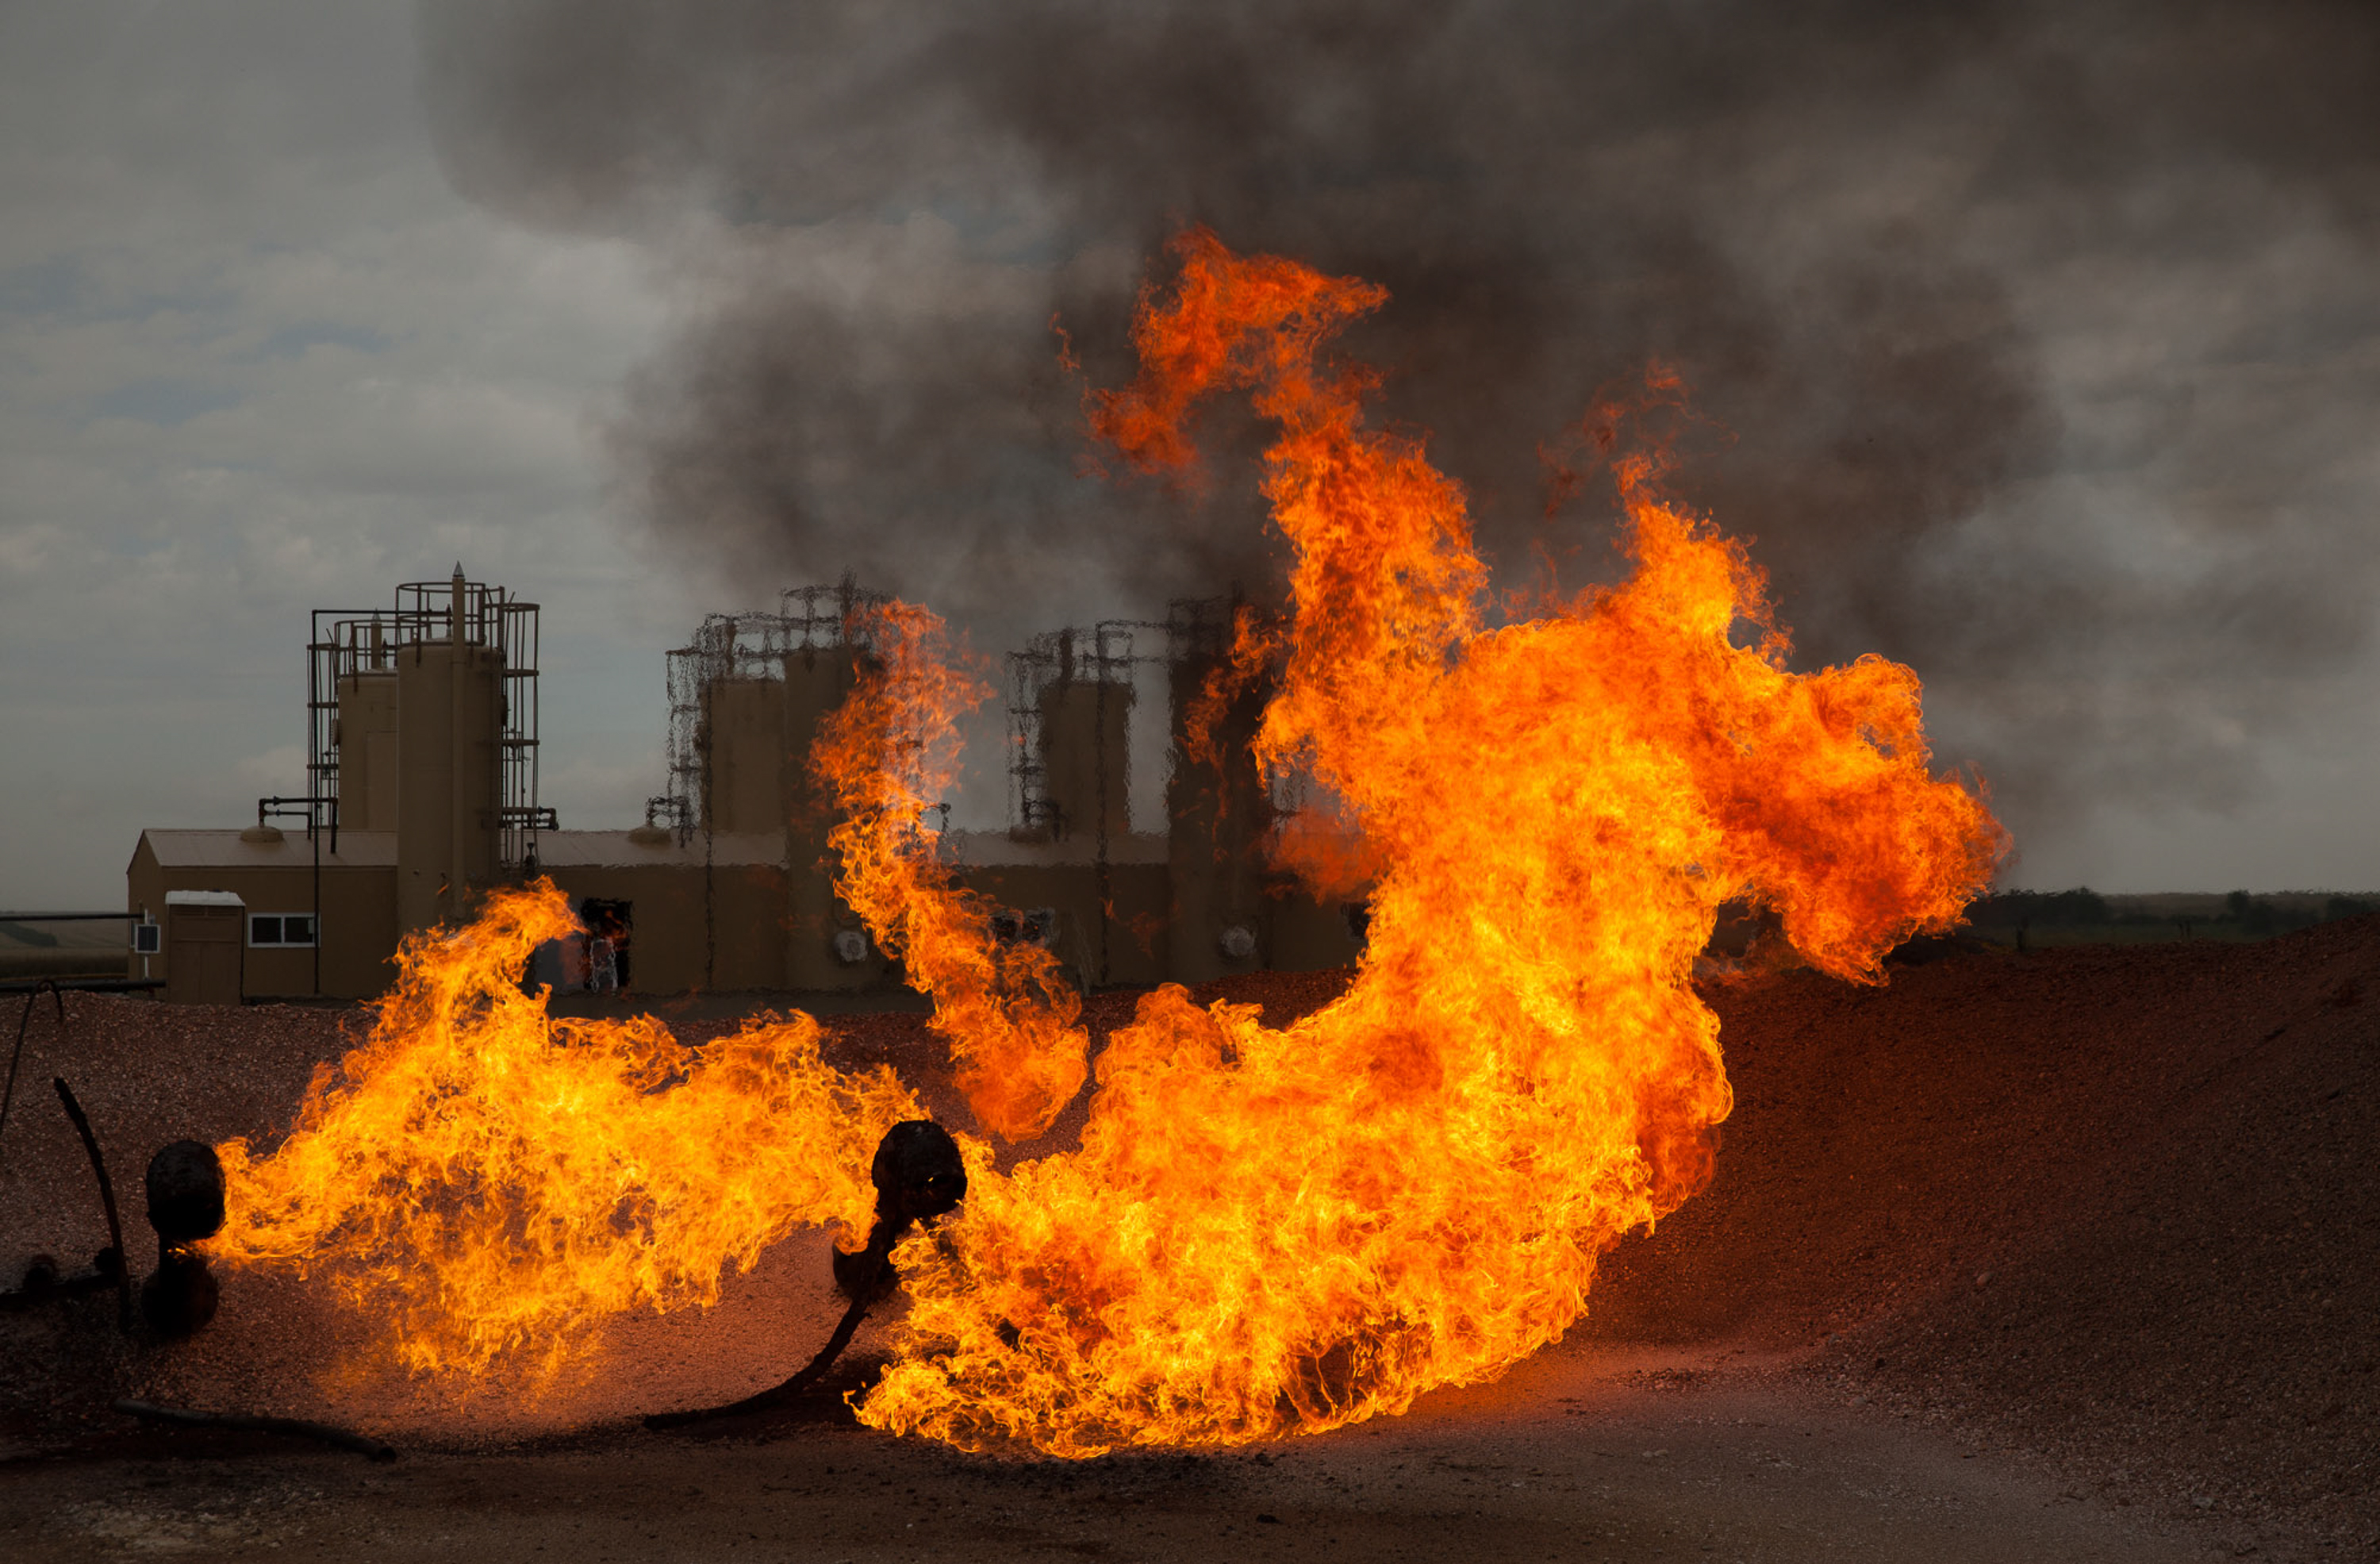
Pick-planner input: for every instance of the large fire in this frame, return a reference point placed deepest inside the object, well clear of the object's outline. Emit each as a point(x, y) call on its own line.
point(1263, 1232)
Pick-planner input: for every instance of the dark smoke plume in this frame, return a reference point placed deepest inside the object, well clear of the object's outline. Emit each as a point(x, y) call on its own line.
point(2035, 345)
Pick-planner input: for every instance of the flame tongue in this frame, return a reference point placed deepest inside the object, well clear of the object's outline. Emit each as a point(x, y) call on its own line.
point(1268, 1231)
point(1263, 1230)
point(494, 1183)
point(1006, 1011)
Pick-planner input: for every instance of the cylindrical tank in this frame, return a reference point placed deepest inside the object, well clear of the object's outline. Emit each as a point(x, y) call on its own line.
point(745, 752)
point(450, 709)
point(366, 740)
point(1086, 759)
point(1218, 812)
point(817, 679)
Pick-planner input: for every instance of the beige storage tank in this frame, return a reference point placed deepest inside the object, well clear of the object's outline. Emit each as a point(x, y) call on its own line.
point(826, 944)
point(450, 704)
point(1218, 811)
point(748, 696)
point(365, 737)
point(422, 725)
point(1086, 759)
point(743, 739)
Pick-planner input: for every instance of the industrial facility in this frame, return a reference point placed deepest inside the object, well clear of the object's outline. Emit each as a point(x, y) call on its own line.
point(422, 793)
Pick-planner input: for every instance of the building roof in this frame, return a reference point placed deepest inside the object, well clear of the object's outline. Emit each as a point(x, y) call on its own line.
point(616, 849)
point(377, 849)
point(619, 850)
point(230, 849)
point(990, 849)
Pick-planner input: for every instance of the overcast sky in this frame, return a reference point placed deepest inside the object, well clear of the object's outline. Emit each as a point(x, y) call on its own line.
point(2042, 347)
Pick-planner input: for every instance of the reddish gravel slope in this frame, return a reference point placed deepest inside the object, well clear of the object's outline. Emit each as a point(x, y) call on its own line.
point(2109, 1210)
point(2112, 1210)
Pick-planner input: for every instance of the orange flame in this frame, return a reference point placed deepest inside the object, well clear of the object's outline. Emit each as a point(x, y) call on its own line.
point(494, 1182)
point(1264, 1231)
point(1006, 1011)
point(1272, 1231)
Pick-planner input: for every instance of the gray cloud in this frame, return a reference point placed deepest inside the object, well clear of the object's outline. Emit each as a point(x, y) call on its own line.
point(256, 357)
point(2041, 337)
point(2044, 340)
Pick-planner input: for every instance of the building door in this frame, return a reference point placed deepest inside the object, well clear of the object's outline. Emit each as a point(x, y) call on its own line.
point(203, 951)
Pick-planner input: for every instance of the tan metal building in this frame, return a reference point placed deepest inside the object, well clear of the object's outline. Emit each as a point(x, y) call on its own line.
point(422, 768)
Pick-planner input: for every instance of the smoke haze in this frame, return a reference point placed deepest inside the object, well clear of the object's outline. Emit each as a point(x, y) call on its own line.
point(2033, 346)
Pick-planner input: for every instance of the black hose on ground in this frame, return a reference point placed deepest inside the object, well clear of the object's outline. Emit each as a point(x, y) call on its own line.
point(323, 1432)
point(919, 1176)
point(106, 1198)
point(776, 1395)
point(25, 1019)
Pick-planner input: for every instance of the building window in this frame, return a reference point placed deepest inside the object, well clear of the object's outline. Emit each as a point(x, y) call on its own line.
point(280, 931)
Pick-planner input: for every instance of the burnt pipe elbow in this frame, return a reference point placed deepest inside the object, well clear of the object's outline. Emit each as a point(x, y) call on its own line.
point(186, 1206)
point(919, 1176)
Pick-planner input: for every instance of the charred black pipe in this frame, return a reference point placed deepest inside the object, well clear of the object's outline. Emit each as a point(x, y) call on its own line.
point(82, 984)
point(323, 1433)
point(8, 1095)
point(185, 1186)
point(42, 1283)
point(186, 1205)
point(919, 1176)
point(106, 1198)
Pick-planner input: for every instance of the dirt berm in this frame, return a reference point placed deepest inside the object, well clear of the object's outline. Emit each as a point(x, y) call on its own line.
point(2073, 1255)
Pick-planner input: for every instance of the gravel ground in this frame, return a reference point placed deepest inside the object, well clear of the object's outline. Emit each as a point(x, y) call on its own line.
point(2108, 1214)
point(2076, 1252)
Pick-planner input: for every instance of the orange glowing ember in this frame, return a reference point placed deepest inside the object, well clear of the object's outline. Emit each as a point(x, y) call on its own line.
point(1264, 1231)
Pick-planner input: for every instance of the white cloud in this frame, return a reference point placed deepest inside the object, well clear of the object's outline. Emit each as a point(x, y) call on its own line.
point(281, 769)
